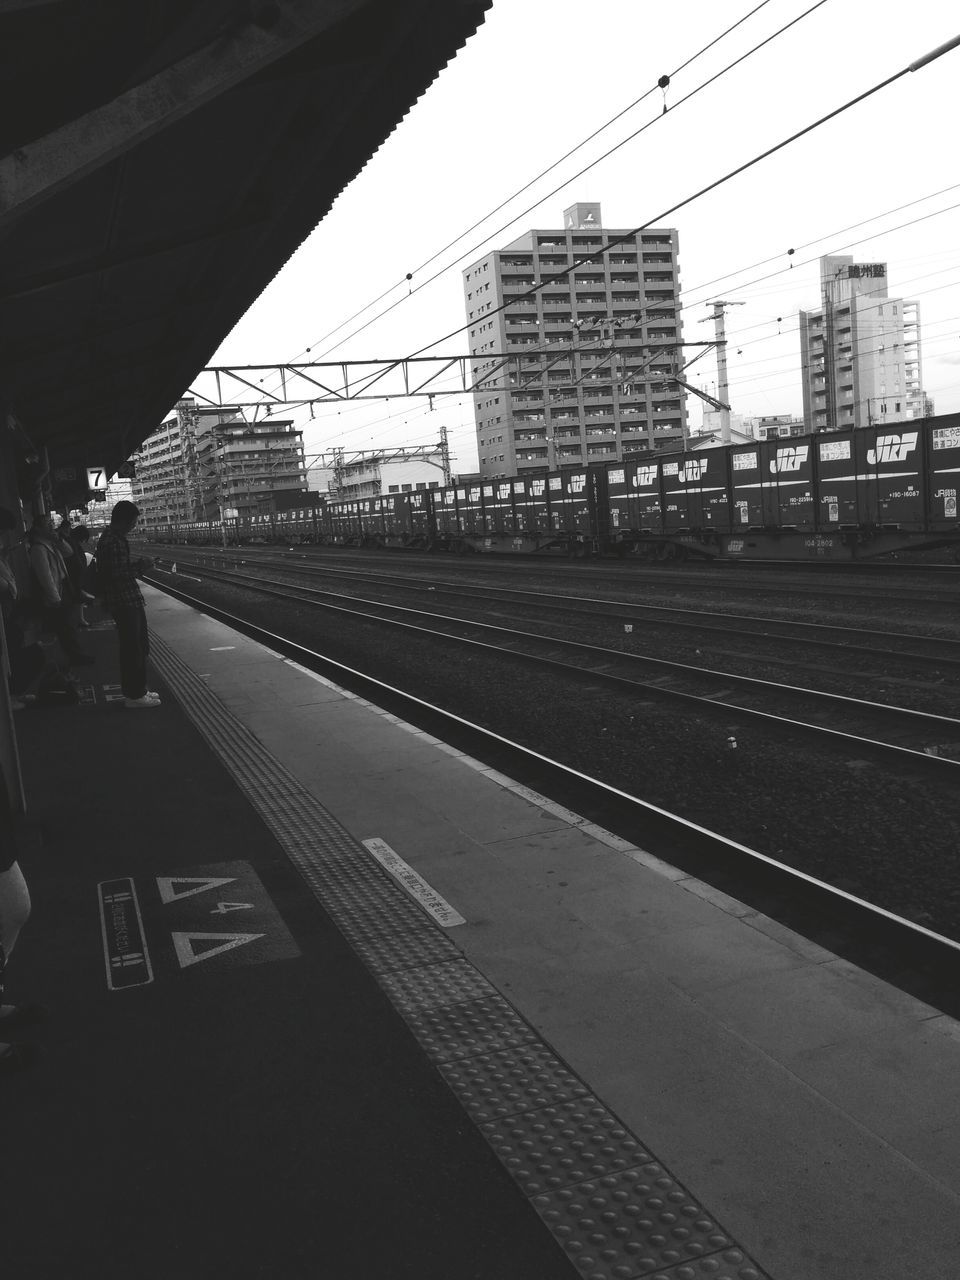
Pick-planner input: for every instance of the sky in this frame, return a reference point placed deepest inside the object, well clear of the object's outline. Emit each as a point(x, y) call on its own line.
point(540, 77)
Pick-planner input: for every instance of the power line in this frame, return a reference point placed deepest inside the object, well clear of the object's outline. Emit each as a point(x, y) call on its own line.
point(580, 174)
point(543, 173)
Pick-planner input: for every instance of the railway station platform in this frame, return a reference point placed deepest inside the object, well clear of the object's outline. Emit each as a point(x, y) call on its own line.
point(327, 997)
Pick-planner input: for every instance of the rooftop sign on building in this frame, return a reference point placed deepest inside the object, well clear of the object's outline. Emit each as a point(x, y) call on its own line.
point(582, 217)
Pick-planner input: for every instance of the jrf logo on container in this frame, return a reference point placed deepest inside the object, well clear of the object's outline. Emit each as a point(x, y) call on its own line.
point(692, 469)
point(791, 458)
point(646, 477)
point(892, 448)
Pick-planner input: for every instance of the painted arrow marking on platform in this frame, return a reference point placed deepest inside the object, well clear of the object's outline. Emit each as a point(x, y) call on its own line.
point(187, 955)
point(200, 885)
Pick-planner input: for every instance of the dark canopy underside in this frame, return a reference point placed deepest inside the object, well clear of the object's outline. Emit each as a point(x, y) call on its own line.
point(159, 163)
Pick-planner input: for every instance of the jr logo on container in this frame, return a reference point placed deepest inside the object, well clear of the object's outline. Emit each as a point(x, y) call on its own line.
point(892, 448)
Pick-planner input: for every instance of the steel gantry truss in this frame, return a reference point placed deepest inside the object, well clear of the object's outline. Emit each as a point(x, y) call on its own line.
point(338, 381)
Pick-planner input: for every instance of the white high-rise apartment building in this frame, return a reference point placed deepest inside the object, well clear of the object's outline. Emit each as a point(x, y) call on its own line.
point(861, 351)
point(577, 370)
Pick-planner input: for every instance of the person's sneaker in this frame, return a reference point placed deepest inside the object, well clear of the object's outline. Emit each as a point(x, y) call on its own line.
point(148, 700)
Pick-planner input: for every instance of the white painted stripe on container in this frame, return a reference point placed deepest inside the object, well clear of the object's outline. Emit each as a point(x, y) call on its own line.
point(414, 883)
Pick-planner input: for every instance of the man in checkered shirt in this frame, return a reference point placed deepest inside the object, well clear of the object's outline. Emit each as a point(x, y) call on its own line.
point(122, 597)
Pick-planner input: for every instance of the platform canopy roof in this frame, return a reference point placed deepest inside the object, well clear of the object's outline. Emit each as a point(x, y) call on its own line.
point(160, 160)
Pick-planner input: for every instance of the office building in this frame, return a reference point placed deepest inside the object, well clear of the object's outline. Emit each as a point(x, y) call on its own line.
point(860, 351)
point(572, 363)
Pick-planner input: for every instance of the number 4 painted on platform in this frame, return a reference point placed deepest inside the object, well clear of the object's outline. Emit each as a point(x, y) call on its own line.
point(222, 908)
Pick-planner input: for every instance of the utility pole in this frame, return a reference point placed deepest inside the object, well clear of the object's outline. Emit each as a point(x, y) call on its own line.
point(722, 392)
point(445, 456)
point(221, 494)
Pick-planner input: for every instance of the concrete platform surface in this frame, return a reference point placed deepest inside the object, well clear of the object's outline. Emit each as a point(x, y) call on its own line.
point(630, 1046)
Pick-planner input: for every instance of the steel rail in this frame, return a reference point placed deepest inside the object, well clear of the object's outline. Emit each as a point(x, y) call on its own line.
point(934, 764)
point(622, 609)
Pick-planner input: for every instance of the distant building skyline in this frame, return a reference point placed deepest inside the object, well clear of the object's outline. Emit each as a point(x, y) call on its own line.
point(207, 463)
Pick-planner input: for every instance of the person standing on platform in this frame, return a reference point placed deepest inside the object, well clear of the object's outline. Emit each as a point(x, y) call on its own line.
point(70, 545)
point(56, 592)
point(122, 598)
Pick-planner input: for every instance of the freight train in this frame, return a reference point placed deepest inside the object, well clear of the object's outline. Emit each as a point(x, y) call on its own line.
point(839, 495)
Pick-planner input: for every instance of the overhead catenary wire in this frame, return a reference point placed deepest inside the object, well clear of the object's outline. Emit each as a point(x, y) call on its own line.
point(506, 226)
point(917, 64)
point(630, 235)
point(688, 62)
point(914, 66)
point(718, 182)
point(533, 181)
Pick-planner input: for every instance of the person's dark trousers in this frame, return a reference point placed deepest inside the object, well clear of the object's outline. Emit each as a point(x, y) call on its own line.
point(131, 623)
point(58, 618)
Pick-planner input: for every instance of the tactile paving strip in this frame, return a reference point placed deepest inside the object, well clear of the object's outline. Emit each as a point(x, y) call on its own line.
point(369, 912)
point(437, 985)
point(729, 1264)
point(402, 950)
point(614, 1210)
point(562, 1145)
point(503, 1084)
point(465, 1030)
point(630, 1224)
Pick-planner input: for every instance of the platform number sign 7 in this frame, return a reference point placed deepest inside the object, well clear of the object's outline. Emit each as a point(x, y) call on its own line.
point(96, 478)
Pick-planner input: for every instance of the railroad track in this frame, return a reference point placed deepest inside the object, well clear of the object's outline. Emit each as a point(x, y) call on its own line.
point(723, 576)
point(907, 739)
point(919, 960)
point(924, 651)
